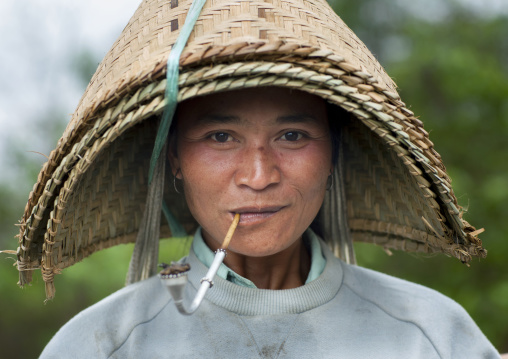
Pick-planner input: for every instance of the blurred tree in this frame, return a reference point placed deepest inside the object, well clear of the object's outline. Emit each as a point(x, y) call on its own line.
point(451, 66)
point(24, 312)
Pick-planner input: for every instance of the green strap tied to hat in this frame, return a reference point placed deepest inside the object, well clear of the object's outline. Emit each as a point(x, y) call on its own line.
point(146, 250)
point(171, 94)
point(172, 74)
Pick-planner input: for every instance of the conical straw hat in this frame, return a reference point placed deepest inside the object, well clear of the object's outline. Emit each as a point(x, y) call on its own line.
point(91, 193)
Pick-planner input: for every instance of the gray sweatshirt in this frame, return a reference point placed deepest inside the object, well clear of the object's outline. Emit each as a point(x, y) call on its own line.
point(347, 312)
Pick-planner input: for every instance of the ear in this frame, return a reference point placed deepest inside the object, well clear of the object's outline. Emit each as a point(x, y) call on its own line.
point(173, 157)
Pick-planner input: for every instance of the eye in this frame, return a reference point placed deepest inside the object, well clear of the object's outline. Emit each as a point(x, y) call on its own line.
point(221, 137)
point(292, 136)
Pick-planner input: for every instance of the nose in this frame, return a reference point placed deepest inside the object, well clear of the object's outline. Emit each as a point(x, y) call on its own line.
point(258, 168)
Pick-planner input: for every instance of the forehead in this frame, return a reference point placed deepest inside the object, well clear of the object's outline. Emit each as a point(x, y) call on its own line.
point(273, 102)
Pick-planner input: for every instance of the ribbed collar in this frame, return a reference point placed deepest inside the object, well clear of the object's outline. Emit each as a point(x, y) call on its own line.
point(206, 256)
point(252, 301)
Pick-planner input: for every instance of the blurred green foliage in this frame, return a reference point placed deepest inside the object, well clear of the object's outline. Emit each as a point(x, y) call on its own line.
point(452, 70)
point(451, 66)
point(26, 317)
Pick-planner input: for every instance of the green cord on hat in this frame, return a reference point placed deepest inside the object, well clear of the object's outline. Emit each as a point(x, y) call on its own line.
point(172, 74)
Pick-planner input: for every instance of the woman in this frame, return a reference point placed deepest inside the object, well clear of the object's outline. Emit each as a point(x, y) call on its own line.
point(263, 153)
point(261, 129)
point(266, 153)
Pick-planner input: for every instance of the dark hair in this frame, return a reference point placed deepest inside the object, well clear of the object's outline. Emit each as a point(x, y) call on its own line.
point(337, 117)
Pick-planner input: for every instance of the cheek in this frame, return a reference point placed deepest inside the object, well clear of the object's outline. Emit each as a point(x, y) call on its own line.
point(204, 178)
point(310, 167)
point(200, 164)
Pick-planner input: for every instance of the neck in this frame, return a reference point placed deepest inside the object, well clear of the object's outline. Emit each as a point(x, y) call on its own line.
point(283, 270)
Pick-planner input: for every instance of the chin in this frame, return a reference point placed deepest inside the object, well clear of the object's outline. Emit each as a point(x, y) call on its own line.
point(260, 248)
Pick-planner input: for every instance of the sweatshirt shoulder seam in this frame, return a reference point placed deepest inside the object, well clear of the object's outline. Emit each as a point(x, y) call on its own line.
point(137, 325)
point(395, 317)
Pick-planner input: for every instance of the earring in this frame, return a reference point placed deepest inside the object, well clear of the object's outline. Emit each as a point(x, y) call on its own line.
point(174, 181)
point(329, 181)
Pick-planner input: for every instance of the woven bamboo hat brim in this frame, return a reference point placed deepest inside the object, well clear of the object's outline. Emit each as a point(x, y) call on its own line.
point(91, 193)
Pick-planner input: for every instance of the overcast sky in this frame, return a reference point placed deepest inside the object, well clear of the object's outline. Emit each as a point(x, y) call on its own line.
point(36, 34)
point(34, 73)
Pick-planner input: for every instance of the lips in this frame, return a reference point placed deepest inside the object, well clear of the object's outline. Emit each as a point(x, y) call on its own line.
point(252, 215)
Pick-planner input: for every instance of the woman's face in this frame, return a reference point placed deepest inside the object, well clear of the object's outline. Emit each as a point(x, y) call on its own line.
point(264, 153)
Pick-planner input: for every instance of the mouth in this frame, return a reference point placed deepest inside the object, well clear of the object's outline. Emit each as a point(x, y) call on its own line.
point(253, 215)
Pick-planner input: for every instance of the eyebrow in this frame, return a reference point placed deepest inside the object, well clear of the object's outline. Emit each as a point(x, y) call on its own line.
point(300, 118)
point(224, 119)
point(217, 120)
